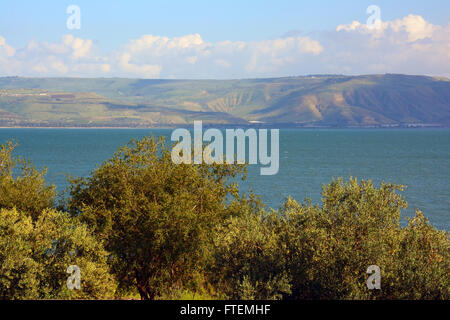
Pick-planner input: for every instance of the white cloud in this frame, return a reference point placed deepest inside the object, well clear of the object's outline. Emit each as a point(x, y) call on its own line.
point(5, 49)
point(40, 68)
point(71, 56)
point(407, 45)
point(191, 60)
point(349, 27)
point(105, 67)
point(59, 67)
point(416, 27)
point(222, 63)
point(190, 56)
point(142, 70)
point(80, 48)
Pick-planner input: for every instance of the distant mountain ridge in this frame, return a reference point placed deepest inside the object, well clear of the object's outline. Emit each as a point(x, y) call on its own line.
point(317, 100)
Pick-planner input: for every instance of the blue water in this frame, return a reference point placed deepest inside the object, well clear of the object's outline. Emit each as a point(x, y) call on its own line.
point(418, 158)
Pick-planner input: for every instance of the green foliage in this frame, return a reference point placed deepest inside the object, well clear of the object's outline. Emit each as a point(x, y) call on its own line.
point(34, 256)
point(419, 267)
point(330, 248)
point(307, 251)
point(155, 216)
point(249, 263)
point(26, 190)
point(140, 224)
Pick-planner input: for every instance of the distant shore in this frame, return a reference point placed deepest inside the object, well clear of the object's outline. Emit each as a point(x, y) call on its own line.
point(252, 125)
point(82, 128)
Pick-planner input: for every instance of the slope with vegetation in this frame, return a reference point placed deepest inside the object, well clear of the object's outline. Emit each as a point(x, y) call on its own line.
point(327, 100)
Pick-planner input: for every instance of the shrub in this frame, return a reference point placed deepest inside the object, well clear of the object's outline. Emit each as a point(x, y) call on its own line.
point(22, 186)
point(249, 261)
point(34, 257)
point(330, 247)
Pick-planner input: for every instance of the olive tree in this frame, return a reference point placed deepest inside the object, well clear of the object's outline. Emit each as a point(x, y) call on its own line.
point(156, 217)
point(35, 255)
point(22, 186)
point(330, 247)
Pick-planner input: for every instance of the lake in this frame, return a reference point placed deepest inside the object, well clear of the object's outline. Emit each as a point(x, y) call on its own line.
point(417, 158)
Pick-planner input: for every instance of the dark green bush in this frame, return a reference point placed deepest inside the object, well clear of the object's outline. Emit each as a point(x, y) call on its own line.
point(22, 186)
point(249, 262)
point(330, 247)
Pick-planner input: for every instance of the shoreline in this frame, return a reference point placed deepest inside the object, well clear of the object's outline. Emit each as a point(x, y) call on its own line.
point(281, 126)
point(86, 128)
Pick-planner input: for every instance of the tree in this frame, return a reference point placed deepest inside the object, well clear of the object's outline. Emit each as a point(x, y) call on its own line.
point(248, 260)
point(22, 186)
point(155, 216)
point(358, 225)
point(35, 254)
point(419, 267)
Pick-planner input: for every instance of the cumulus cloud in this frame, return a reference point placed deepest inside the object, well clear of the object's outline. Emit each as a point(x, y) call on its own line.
point(80, 48)
point(5, 49)
point(71, 56)
point(7, 63)
point(416, 27)
point(143, 70)
point(413, 26)
point(191, 56)
point(407, 45)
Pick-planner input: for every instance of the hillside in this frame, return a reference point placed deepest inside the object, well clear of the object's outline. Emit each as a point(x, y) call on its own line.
point(323, 100)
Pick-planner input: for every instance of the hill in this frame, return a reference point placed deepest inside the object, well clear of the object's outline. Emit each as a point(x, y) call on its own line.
point(317, 100)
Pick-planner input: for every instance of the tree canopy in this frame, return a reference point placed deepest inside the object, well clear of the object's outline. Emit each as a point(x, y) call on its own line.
point(156, 217)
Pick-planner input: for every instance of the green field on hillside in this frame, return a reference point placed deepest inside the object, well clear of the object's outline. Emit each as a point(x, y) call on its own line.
point(328, 100)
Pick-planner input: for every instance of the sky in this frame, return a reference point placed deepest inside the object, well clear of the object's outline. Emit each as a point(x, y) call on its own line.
point(223, 39)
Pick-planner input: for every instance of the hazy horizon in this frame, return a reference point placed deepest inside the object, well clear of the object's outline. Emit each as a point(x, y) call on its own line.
point(231, 79)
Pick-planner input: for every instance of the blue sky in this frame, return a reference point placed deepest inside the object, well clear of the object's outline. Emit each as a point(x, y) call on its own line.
point(114, 22)
point(112, 25)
